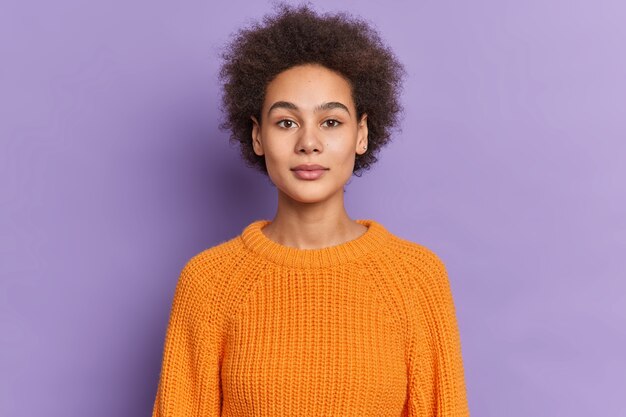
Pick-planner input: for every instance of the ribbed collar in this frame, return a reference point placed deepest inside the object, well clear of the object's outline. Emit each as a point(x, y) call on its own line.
point(374, 237)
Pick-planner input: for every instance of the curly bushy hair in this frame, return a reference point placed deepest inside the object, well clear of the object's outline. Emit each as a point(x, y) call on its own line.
point(296, 35)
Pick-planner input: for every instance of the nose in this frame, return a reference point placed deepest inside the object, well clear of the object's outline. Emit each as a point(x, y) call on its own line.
point(308, 140)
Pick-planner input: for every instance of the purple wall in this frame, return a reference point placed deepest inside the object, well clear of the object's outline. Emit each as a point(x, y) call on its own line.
point(511, 166)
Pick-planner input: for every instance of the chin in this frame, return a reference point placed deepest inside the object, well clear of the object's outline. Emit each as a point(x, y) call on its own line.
point(307, 196)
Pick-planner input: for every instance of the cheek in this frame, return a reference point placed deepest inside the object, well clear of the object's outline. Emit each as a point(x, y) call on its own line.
point(349, 161)
point(342, 150)
point(277, 159)
point(274, 147)
point(277, 154)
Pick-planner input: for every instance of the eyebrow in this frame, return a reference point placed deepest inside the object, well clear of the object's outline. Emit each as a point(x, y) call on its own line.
point(324, 106)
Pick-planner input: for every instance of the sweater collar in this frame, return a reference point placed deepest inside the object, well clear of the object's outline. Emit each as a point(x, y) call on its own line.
point(374, 238)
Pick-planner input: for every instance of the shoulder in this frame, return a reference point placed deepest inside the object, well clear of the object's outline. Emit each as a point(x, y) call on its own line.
point(421, 264)
point(416, 253)
point(425, 282)
point(216, 257)
point(207, 270)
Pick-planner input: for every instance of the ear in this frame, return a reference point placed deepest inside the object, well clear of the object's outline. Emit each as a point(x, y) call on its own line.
point(257, 145)
point(362, 133)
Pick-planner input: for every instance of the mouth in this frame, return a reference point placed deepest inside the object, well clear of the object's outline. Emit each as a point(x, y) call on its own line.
point(309, 167)
point(309, 173)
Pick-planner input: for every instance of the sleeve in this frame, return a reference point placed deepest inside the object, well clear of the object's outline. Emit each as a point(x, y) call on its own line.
point(189, 382)
point(436, 376)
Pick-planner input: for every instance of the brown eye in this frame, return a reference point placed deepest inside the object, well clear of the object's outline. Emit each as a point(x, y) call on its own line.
point(332, 123)
point(287, 124)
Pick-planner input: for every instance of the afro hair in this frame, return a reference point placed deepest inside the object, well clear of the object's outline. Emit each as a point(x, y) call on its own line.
point(297, 35)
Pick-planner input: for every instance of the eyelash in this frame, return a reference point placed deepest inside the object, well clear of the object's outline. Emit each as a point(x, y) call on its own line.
point(285, 120)
point(336, 122)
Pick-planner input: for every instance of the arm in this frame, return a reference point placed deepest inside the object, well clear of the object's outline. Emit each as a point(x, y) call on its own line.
point(436, 376)
point(189, 382)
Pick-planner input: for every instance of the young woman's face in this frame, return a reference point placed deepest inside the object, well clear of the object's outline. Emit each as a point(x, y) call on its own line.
point(309, 117)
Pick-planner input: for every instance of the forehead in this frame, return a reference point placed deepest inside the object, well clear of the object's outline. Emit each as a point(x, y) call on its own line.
point(308, 86)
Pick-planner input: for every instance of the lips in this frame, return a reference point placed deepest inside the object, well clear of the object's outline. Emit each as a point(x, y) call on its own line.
point(309, 167)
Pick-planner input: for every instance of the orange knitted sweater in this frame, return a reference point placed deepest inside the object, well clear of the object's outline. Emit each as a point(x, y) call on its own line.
point(364, 328)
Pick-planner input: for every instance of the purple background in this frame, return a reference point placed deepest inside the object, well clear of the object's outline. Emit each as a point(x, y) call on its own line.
point(511, 166)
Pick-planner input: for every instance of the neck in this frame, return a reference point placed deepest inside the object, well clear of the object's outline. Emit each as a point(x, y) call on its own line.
point(312, 225)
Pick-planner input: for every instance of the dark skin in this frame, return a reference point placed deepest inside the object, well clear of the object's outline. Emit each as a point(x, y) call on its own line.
point(295, 35)
point(309, 117)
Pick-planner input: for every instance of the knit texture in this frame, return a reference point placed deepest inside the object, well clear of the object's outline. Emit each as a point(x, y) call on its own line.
point(364, 328)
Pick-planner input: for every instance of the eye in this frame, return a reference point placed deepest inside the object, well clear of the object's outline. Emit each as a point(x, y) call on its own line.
point(332, 123)
point(286, 123)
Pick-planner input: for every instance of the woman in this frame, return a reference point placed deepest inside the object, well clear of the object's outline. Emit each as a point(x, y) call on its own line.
point(312, 313)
